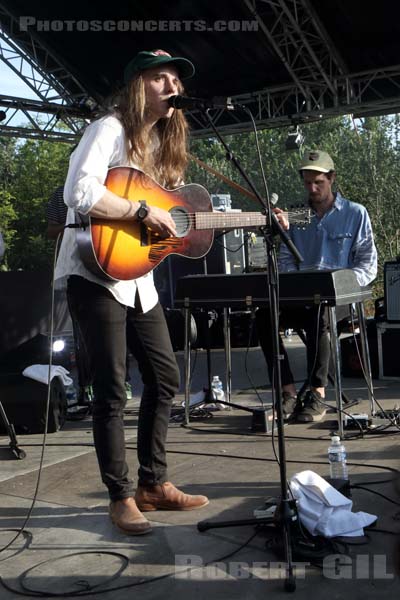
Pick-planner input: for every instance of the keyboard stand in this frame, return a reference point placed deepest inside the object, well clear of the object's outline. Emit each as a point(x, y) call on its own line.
point(336, 357)
point(335, 353)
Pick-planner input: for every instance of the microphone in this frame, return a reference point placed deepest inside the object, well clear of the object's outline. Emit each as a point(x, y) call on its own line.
point(182, 102)
point(274, 198)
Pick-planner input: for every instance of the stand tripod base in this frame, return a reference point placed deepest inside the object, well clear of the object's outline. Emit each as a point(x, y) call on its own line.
point(13, 445)
point(281, 522)
point(205, 525)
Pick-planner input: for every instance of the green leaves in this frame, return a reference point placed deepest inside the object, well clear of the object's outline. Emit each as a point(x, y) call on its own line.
point(367, 159)
point(366, 154)
point(29, 172)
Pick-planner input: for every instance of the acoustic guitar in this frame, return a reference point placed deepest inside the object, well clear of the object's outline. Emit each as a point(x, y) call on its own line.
point(120, 250)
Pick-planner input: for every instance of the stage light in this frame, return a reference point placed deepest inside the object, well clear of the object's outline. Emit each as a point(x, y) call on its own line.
point(294, 140)
point(58, 345)
point(2, 115)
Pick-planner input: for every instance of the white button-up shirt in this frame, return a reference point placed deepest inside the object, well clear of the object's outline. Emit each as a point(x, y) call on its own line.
point(102, 146)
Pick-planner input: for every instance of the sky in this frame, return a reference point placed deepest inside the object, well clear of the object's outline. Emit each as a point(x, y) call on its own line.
point(12, 85)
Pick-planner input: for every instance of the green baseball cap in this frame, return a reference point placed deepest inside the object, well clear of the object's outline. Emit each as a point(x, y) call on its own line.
point(316, 160)
point(148, 59)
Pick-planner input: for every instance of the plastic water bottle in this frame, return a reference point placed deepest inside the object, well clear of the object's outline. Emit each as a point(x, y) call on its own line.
point(337, 459)
point(217, 389)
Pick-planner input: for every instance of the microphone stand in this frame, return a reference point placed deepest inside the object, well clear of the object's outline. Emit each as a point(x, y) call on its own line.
point(285, 515)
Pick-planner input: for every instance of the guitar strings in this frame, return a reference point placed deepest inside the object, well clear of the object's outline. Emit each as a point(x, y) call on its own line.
point(228, 215)
point(238, 218)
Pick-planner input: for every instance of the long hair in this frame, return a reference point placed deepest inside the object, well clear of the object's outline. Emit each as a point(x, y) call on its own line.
point(168, 161)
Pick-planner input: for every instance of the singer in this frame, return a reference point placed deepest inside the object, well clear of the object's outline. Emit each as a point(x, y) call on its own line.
point(147, 133)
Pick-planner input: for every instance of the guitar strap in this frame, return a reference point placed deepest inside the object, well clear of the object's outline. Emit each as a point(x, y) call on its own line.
point(223, 178)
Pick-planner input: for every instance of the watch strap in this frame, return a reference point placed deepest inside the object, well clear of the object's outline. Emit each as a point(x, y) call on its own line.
point(142, 211)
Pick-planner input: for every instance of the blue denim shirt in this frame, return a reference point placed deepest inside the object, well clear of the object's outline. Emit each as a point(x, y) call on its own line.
point(341, 239)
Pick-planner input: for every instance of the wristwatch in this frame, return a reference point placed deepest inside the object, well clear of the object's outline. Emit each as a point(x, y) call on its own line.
point(142, 211)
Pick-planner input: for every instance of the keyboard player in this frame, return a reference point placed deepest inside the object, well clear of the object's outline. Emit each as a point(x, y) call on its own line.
point(339, 236)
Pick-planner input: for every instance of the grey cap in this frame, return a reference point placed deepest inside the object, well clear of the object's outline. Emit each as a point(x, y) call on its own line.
point(316, 160)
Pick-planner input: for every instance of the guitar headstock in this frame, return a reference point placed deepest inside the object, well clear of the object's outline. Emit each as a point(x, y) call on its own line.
point(299, 215)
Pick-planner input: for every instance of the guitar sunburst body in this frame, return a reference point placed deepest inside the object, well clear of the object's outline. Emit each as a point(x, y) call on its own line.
point(121, 250)
point(127, 249)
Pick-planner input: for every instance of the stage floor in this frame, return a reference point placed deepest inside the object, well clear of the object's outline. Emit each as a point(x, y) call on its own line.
point(70, 544)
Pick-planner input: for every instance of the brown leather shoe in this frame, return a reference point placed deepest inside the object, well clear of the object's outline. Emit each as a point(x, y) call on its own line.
point(167, 497)
point(127, 517)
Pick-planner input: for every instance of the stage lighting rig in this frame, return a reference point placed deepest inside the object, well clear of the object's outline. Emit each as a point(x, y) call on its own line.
point(295, 139)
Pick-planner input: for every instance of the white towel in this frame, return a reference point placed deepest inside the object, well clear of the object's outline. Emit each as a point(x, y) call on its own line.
point(41, 373)
point(325, 511)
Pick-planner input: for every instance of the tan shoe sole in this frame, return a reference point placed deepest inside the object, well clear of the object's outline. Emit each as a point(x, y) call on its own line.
point(151, 507)
point(140, 531)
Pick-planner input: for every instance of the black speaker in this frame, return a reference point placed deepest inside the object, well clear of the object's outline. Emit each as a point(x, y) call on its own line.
point(350, 349)
point(392, 290)
point(35, 352)
point(243, 330)
point(256, 253)
point(390, 340)
point(227, 254)
point(169, 271)
point(24, 402)
point(176, 326)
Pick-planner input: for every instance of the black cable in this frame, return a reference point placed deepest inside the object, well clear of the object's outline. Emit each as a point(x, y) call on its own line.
point(256, 458)
point(267, 205)
point(374, 482)
point(222, 245)
point(335, 408)
point(392, 421)
point(47, 409)
point(325, 437)
point(89, 588)
point(92, 591)
point(28, 540)
point(386, 531)
point(361, 487)
point(246, 366)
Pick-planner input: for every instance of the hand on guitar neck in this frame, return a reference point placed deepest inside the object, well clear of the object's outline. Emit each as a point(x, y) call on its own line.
point(282, 217)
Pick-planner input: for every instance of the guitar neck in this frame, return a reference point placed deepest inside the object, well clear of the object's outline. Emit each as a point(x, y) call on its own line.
point(222, 220)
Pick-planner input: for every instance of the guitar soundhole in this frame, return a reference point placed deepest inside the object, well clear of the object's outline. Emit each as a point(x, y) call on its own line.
point(182, 220)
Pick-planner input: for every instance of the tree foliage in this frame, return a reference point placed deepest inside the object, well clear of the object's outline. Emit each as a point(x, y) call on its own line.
point(31, 172)
point(367, 160)
point(366, 155)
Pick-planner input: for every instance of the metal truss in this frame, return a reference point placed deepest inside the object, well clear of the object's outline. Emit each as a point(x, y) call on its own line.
point(295, 32)
point(44, 120)
point(319, 85)
point(44, 74)
point(368, 93)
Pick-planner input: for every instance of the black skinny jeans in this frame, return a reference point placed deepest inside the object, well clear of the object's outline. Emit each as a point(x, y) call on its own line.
point(318, 344)
point(107, 327)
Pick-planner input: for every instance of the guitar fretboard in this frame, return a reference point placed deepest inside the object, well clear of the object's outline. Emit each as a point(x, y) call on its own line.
point(221, 220)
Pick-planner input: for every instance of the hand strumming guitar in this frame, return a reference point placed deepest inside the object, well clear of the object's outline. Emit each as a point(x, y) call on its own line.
point(160, 222)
